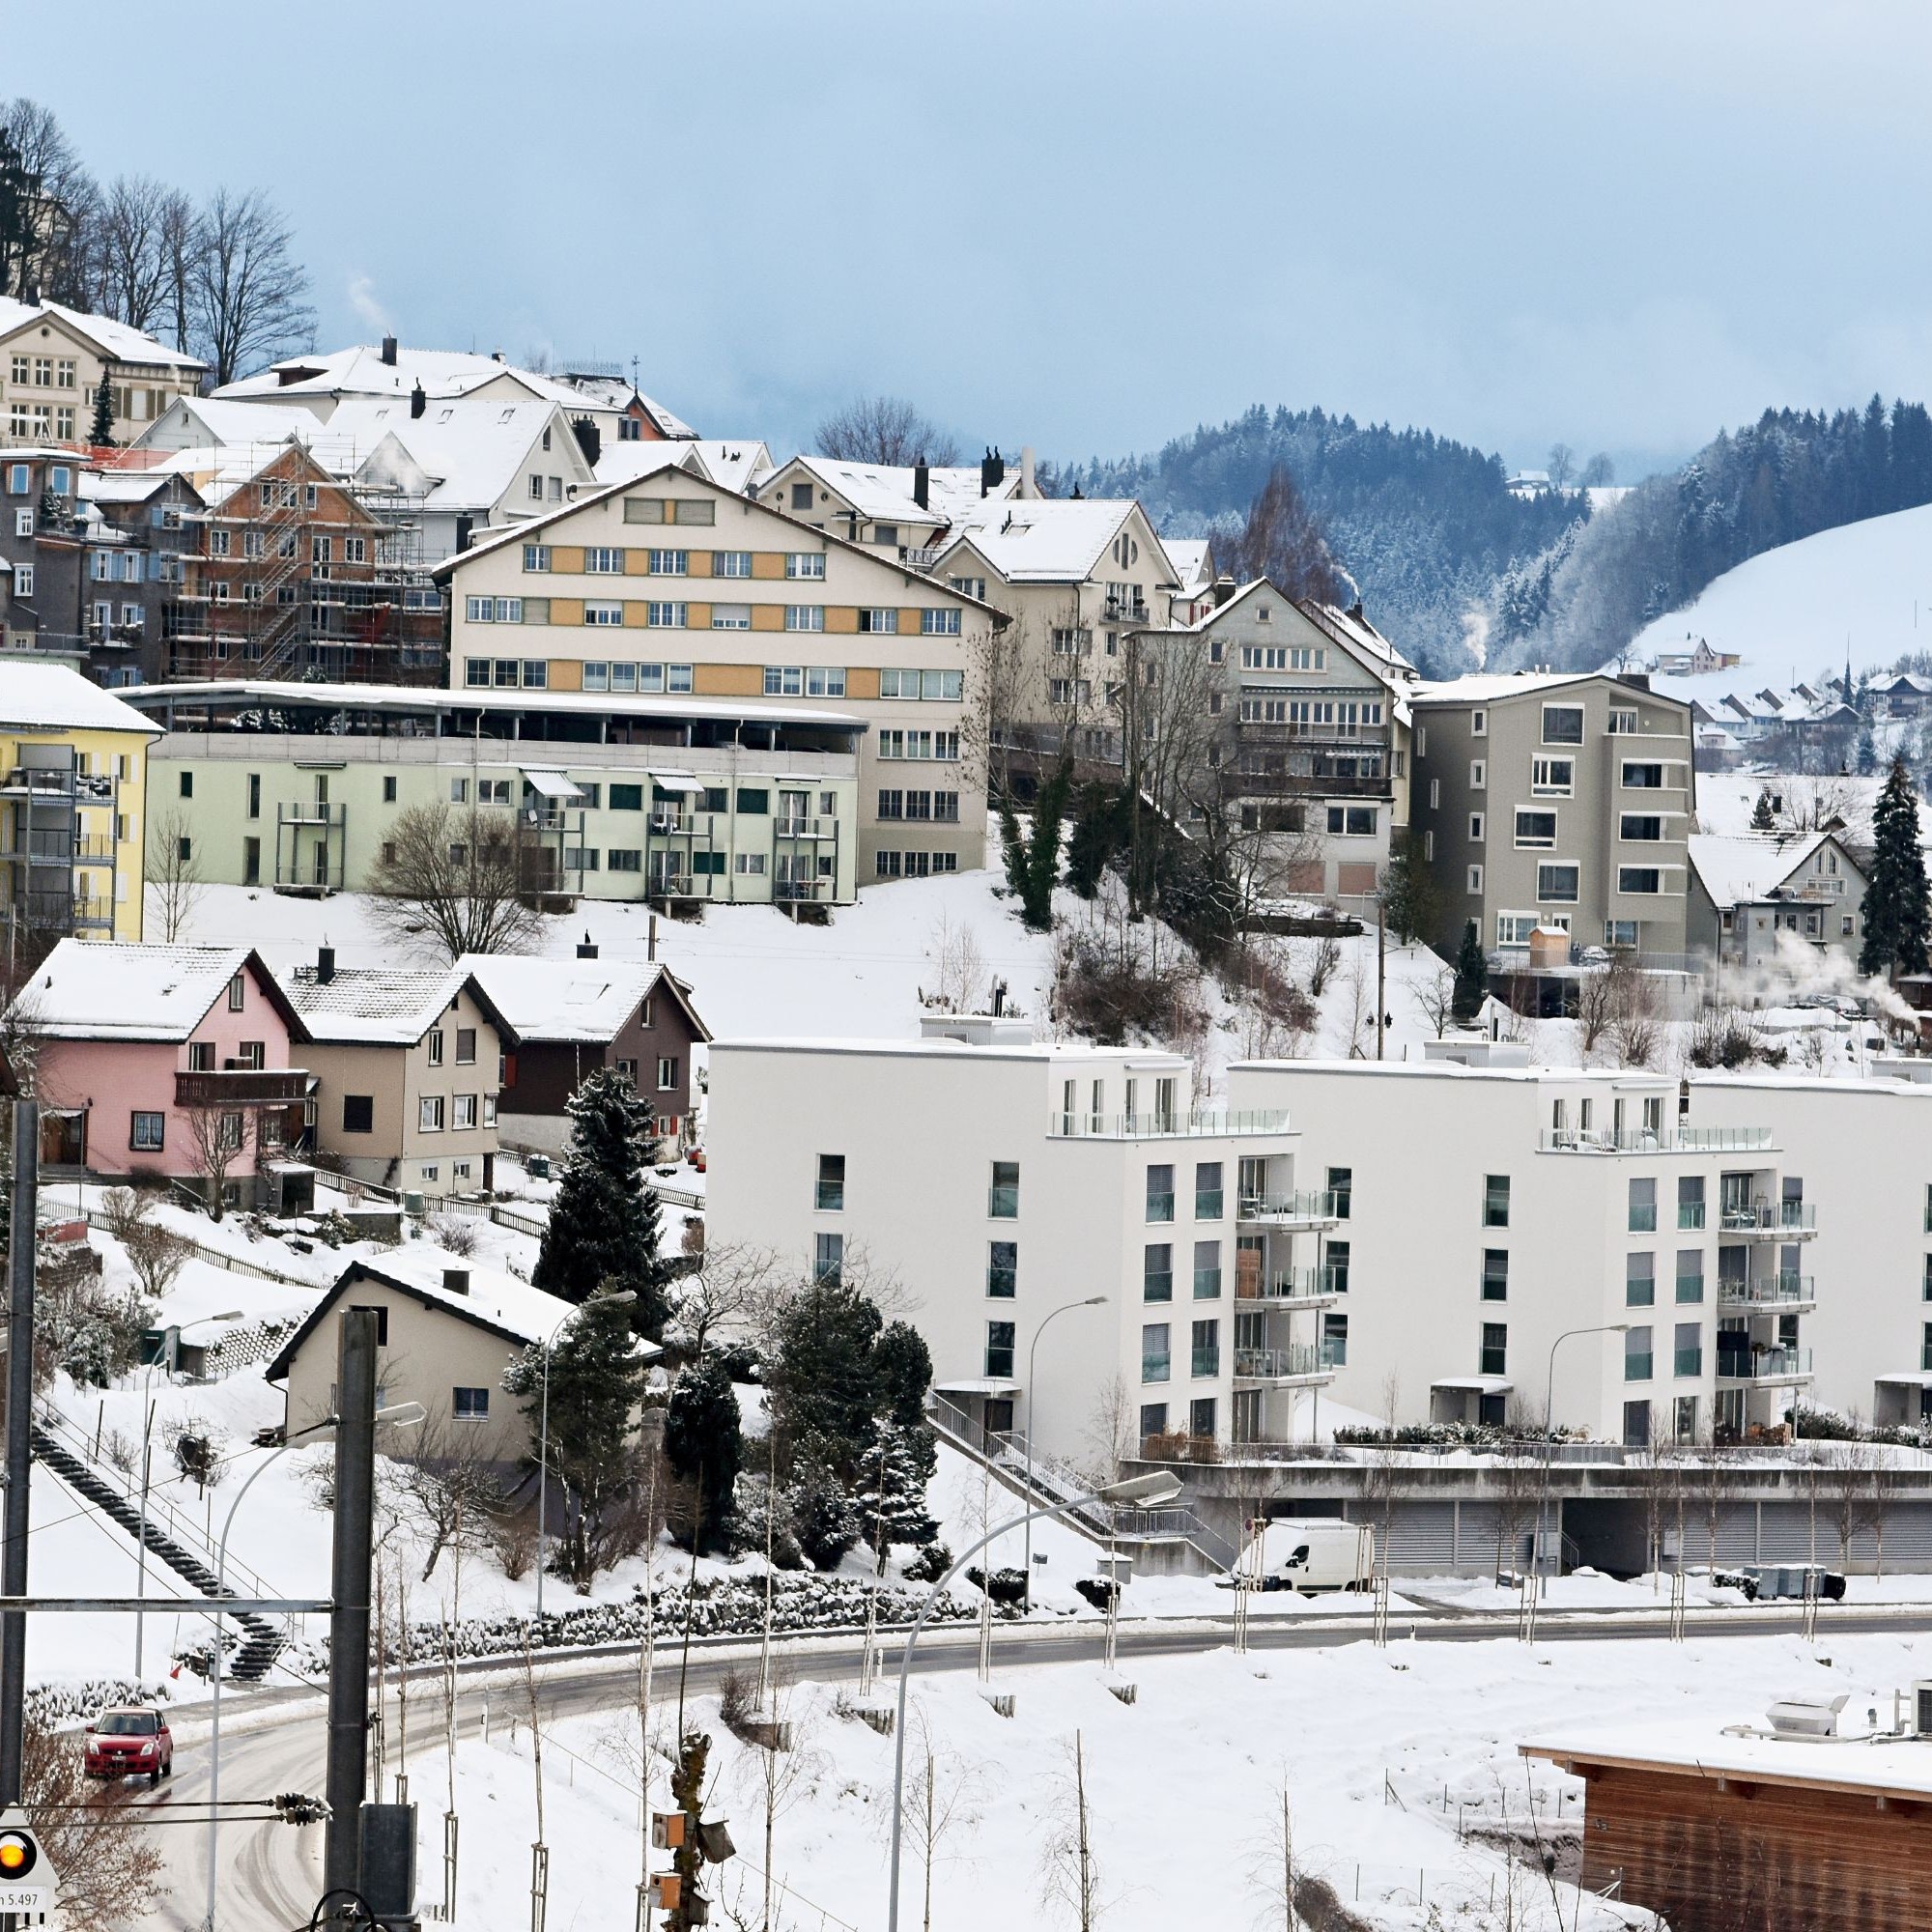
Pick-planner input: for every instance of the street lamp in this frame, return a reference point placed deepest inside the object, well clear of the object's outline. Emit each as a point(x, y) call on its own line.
point(1548, 1410)
point(1150, 1492)
point(1092, 1301)
point(404, 1415)
point(618, 1300)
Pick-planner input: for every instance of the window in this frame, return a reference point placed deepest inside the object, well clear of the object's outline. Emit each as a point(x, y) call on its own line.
point(830, 1195)
point(1552, 777)
point(1155, 1356)
point(536, 557)
point(1495, 1201)
point(1535, 831)
point(237, 993)
point(1207, 1196)
point(1342, 1186)
point(1352, 821)
point(187, 785)
point(1479, 724)
point(1562, 724)
point(1479, 775)
point(1003, 1266)
point(668, 1072)
point(805, 617)
point(825, 680)
point(1641, 1280)
point(879, 623)
point(1640, 828)
point(1558, 885)
point(1638, 1355)
point(939, 623)
point(435, 1047)
point(665, 616)
point(1689, 1274)
point(358, 1113)
point(1643, 1207)
point(828, 1260)
point(1495, 1274)
point(1003, 1197)
point(1640, 880)
point(1642, 776)
point(1205, 1354)
point(469, 1404)
point(1475, 879)
point(497, 609)
point(23, 580)
point(1477, 828)
point(462, 1111)
point(604, 616)
point(1000, 1349)
point(754, 798)
point(429, 1113)
point(1207, 1270)
point(802, 565)
point(1157, 1272)
point(662, 562)
point(1334, 1341)
point(1623, 723)
point(1154, 1419)
point(144, 1132)
point(1495, 1357)
point(1160, 1192)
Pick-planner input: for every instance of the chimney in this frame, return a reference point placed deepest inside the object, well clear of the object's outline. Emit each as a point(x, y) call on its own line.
point(1224, 589)
point(652, 950)
point(992, 472)
point(1356, 612)
point(456, 1281)
point(388, 351)
point(418, 402)
point(1026, 471)
point(922, 483)
point(586, 947)
point(325, 965)
point(590, 440)
point(464, 526)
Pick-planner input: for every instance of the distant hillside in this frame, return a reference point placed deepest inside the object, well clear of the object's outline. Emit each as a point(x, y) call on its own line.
point(1424, 525)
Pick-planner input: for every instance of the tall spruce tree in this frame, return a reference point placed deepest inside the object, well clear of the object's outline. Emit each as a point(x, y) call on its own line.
point(704, 1444)
point(1763, 818)
point(893, 1472)
point(1472, 977)
point(1897, 923)
point(604, 1224)
point(101, 433)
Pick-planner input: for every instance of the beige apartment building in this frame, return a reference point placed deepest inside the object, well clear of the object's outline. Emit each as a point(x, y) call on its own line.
point(1559, 801)
point(673, 584)
point(51, 363)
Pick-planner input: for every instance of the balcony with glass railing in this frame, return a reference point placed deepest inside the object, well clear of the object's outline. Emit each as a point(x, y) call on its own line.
point(1773, 1220)
point(1292, 1289)
point(1743, 1367)
point(1784, 1293)
point(1293, 1362)
point(1166, 1126)
point(1299, 1212)
point(1658, 1140)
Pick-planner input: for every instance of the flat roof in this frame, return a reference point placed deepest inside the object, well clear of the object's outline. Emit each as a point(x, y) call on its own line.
point(943, 1048)
point(426, 700)
point(1455, 1070)
point(1897, 1766)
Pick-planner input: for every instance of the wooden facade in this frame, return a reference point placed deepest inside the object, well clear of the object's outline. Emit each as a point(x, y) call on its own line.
point(1712, 1850)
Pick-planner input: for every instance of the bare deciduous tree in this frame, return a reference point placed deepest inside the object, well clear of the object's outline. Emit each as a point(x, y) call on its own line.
point(1436, 997)
point(248, 288)
point(108, 1866)
point(463, 880)
point(735, 1288)
point(57, 198)
point(134, 261)
point(174, 878)
point(885, 429)
point(217, 1137)
point(445, 1489)
point(1562, 462)
point(1069, 1874)
point(944, 1793)
point(1283, 541)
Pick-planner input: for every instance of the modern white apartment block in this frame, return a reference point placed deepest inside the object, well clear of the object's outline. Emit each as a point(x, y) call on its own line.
point(1502, 1219)
point(998, 1180)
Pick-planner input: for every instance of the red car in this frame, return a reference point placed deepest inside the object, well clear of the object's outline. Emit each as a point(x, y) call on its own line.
point(131, 1740)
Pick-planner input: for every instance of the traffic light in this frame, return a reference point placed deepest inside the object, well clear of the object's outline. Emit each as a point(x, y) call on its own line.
point(19, 1853)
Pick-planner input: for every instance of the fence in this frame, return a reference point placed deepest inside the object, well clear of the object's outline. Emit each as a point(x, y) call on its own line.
point(221, 1257)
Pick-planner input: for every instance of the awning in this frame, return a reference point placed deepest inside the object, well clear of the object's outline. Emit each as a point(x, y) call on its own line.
point(1475, 1384)
point(984, 1385)
point(676, 781)
point(1916, 1378)
point(553, 785)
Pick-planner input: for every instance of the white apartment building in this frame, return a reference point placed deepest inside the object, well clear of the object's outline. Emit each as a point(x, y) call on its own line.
point(1502, 1220)
point(998, 1179)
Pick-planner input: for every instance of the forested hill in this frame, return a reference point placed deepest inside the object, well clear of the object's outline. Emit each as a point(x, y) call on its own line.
point(1424, 525)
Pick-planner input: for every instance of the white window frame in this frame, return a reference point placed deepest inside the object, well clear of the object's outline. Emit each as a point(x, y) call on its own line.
point(1479, 775)
point(1569, 743)
point(1535, 843)
point(1544, 782)
point(1549, 897)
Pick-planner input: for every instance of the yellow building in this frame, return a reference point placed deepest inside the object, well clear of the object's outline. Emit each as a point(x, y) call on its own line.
point(73, 784)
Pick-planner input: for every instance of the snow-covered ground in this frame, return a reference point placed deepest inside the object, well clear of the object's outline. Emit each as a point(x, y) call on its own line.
point(1385, 1753)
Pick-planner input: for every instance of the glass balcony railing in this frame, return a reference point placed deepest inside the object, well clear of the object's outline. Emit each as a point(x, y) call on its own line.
point(1156, 1367)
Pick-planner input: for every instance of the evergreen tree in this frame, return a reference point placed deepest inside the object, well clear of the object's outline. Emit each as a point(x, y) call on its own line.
point(597, 1377)
point(1033, 860)
point(1472, 977)
point(1895, 912)
point(1762, 817)
point(605, 1223)
point(820, 1375)
point(1410, 898)
point(704, 1445)
point(101, 434)
point(1865, 758)
point(901, 1374)
point(893, 1477)
point(824, 1517)
point(1100, 832)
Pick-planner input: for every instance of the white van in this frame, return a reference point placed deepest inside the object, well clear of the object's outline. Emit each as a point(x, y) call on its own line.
point(1311, 1553)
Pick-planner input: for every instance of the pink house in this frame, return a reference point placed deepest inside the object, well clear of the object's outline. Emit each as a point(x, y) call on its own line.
point(173, 1059)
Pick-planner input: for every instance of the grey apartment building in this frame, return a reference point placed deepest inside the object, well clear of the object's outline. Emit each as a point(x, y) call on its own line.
point(1556, 799)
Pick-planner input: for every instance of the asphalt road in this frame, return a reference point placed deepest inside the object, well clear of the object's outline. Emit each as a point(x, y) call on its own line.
point(269, 1878)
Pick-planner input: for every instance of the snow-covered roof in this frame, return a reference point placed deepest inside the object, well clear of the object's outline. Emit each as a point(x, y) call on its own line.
point(462, 454)
point(617, 392)
point(370, 1005)
point(214, 420)
point(741, 464)
point(51, 698)
point(85, 989)
point(589, 1000)
point(116, 339)
point(1043, 539)
point(1901, 1765)
point(883, 490)
point(1487, 687)
point(1190, 558)
point(122, 486)
point(1741, 870)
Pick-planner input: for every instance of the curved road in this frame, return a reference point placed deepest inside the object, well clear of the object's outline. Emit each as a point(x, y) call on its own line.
point(272, 1741)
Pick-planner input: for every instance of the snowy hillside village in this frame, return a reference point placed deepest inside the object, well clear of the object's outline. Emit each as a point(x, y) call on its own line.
point(1010, 1072)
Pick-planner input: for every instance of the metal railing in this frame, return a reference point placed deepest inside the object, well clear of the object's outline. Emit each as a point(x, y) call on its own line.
point(1304, 1285)
point(1286, 1364)
point(1774, 1217)
point(1768, 1290)
point(1166, 1126)
point(1319, 1206)
point(1762, 1365)
point(1660, 1140)
point(1156, 1367)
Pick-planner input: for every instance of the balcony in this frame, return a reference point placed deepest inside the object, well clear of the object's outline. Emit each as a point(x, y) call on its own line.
point(47, 781)
point(1782, 1294)
point(1293, 1211)
point(815, 828)
point(312, 811)
point(1769, 1220)
point(1294, 1288)
point(242, 1086)
point(918, 557)
point(1165, 1126)
point(58, 848)
point(1297, 1362)
point(1115, 611)
point(1659, 1140)
point(1762, 1367)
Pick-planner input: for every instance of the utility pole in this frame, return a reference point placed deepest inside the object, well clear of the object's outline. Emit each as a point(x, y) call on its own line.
point(1381, 971)
point(348, 1620)
point(19, 1439)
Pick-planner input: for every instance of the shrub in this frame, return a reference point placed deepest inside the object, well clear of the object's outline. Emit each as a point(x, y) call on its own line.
point(1002, 1587)
point(930, 1564)
point(1102, 1592)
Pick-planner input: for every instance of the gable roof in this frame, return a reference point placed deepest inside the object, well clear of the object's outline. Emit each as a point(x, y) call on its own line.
point(737, 463)
point(1744, 868)
point(1192, 560)
point(1045, 539)
point(884, 491)
point(85, 989)
point(582, 1001)
point(464, 454)
point(1494, 686)
point(618, 393)
point(377, 1006)
point(498, 1303)
point(119, 341)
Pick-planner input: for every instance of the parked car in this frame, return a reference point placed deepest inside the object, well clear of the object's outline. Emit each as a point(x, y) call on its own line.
point(1318, 1554)
point(130, 1739)
point(1782, 1581)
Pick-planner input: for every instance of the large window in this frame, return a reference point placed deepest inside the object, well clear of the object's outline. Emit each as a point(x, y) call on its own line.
point(1642, 775)
point(1207, 1270)
point(1160, 1192)
point(1495, 1201)
point(1002, 1269)
point(1640, 880)
point(1689, 1274)
point(828, 1260)
point(1495, 1357)
point(1156, 1363)
point(1205, 1348)
point(1207, 1194)
point(1000, 1350)
point(1558, 885)
point(1157, 1272)
point(830, 1198)
point(1640, 828)
point(1687, 1358)
point(145, 1132)
point(1342, 1186)
point(1641, 1280)
point(1003, 1197)
point(1562, 724)
point(1643, 1205)
point(1691, 1201)
point(1495, 1274)
point(1637, 1360)
point(1552, 777)
point(1535, 831)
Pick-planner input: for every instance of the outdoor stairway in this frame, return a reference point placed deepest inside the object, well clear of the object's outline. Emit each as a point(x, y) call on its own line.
point(261, 1641)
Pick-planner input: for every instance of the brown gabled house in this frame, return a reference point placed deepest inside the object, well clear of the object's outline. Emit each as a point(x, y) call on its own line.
point(565, 1019)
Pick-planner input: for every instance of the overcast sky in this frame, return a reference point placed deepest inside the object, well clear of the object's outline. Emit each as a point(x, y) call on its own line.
point(1084, 226)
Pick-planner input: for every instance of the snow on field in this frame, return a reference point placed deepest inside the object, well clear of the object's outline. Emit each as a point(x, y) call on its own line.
point(1183, 1785)
point(1797, 610)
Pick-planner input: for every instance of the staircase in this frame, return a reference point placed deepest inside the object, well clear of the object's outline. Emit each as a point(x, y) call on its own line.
point(261, 1641)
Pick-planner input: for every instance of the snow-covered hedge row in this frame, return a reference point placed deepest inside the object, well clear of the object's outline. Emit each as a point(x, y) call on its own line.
point(66, 1703)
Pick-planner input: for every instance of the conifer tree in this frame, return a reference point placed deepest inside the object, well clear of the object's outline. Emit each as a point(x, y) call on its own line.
point(1895, 913)
point(893, 1477)
point(1032, 858)
point(1762, 818)
point(604, 1224)
point(101, 433)
point(703, 1443)
point(1472, 977)
point(1866, 758)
